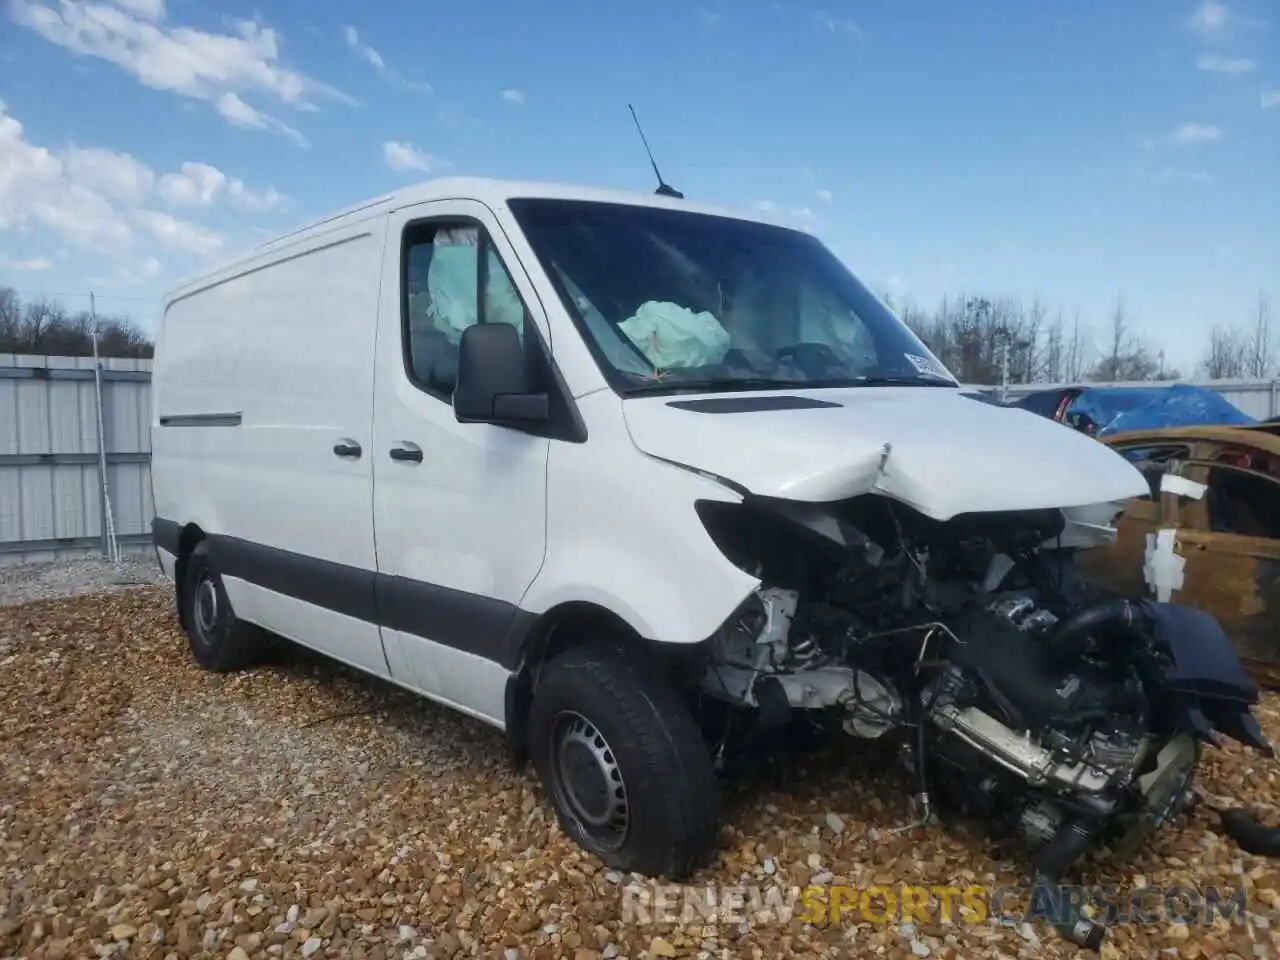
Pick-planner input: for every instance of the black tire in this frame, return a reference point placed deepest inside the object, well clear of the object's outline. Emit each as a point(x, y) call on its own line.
point(603, 708)
point(218, 641)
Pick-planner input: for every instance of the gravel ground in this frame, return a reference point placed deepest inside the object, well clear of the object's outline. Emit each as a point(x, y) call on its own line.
point(148, 809)
point(25, 582)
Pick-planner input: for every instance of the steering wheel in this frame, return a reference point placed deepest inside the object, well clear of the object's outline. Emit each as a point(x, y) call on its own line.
point(811, 359)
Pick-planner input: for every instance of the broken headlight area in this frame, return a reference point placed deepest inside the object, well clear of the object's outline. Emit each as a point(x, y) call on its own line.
point(1020, 693)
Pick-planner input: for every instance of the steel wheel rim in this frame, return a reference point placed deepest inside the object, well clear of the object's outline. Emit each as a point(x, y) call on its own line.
point(587, 781)
point(205, 608)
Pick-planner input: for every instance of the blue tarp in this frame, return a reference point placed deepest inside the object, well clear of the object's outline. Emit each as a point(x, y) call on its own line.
point(1118, 409)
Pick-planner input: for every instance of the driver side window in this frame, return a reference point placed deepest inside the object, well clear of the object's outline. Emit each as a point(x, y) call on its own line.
point(452, 277)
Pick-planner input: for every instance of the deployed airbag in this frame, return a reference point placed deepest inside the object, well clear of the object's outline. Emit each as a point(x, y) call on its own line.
point(670, 335)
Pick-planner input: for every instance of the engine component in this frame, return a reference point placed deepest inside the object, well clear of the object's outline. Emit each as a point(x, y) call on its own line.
point(874, 709)
point(1003, 654)
point(777, 641)
point(1116, 749)
point(779, 609)
point(1040, 822)
point(1166, 786)
point(1017, 752)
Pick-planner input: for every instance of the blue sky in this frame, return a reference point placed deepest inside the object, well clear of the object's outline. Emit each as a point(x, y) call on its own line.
point(1073, 152)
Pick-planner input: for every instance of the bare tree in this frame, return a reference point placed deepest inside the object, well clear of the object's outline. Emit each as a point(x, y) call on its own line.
point(1227, 355)
point(45, 327)
point(1126, 358)
point(10, 315)
point(1076, 356)
point(1242, 351)
point(1261, 348)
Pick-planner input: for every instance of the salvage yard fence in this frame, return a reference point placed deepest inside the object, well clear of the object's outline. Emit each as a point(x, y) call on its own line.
point(53, 501)
point(52, 498)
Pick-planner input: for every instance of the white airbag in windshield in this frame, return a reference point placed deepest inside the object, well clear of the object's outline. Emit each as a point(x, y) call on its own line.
point(671, 336)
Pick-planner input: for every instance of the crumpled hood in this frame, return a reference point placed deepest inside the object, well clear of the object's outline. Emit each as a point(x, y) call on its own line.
point(932, 448)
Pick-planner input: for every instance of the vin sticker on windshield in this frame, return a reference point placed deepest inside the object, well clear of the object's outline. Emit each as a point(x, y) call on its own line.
point(927, 367)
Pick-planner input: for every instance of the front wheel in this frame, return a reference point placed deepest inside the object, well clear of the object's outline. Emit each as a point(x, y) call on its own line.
point(623, 762)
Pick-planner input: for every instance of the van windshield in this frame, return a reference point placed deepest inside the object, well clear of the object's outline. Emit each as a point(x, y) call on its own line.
point(669, 300)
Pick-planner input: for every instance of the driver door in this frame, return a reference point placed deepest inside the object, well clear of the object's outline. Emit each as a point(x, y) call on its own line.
point(459, 508)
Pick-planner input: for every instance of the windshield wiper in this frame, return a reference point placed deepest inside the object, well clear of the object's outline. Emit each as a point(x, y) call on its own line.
point(903, 382)
point(731, 383)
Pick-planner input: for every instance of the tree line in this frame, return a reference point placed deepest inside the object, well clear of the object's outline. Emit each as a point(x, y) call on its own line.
point(44, 326)
point(978, 337)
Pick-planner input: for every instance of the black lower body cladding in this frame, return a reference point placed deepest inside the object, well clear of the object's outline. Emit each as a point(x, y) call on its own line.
point(479, 625)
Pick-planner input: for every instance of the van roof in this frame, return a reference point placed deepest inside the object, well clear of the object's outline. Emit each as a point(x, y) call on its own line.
point(489, 191)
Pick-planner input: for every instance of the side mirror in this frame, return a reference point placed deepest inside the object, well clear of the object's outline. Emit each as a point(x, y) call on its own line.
point(492, 384)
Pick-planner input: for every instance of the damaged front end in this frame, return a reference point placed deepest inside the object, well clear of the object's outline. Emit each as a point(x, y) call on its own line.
point(1021, 693)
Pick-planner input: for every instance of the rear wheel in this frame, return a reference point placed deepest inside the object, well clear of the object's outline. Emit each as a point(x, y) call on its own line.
point(217, 639)
point(623, 762)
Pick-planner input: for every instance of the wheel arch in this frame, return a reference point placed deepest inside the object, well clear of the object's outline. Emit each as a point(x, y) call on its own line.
point(190, 537)
point(561, 628)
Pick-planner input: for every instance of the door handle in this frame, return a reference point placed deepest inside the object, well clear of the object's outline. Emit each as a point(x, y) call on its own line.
point(347, 449)
point(407, 452)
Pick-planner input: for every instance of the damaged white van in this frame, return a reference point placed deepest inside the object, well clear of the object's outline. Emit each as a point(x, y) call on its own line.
point(621, 474)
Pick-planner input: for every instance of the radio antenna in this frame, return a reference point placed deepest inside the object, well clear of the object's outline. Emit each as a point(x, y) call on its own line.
point(663, 189)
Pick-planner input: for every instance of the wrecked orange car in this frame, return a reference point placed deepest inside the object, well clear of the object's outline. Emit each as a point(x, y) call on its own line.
point(1209, 536)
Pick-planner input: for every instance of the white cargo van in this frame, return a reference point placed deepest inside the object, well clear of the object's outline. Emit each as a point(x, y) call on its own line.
point(583, 465)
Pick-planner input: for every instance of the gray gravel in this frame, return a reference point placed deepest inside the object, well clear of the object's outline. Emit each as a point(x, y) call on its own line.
point(28, 582)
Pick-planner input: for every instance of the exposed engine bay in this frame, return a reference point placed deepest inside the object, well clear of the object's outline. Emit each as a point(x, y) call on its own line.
point(1023, 696)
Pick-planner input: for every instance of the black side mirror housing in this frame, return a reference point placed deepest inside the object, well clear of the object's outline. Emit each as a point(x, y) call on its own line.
point(493, 382)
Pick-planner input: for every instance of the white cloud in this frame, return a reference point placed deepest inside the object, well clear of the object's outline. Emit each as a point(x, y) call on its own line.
point(366, 52)
point(36, 264)
point(132, 274)
point(201, 185)
point(1270, 98)
point(179, 234)
point(118, 175)
point(372, 57)
point(102, 200)
point(150, 9)
point(839, 24)
point(405, 156)
point(824, 195)
point(255, 201)
point(1231, 65)
point(239, 114)
point(513, 96)
point(801, 218)
point(1177, 175)
point(1197, 133)
point(197, 185)
point(197, 64)
point(37, 188)
point(1209, 18)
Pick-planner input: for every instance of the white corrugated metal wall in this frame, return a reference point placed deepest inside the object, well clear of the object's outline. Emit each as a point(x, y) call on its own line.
point(50, 492)
point(50, 495)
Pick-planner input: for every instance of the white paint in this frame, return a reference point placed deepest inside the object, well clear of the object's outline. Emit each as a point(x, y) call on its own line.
point(949, 454)
point(287, 342)
point(1162, 567)
point(1172, 483)
point(302, 337)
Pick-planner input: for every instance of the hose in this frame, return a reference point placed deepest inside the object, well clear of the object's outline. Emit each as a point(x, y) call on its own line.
point(1067, 641)
point(1067, 845)
point(1246, 828)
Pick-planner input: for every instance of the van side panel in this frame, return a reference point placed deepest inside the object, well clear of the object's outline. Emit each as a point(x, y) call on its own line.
point(259, 376)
